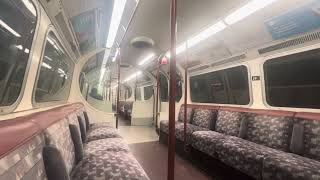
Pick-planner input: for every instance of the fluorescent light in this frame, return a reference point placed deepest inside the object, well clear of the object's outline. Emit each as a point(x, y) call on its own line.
point(30, 6)
point(117, 12)
point(205, 34)
point(133, 76)
point(247, 10)
point(46, 65)
point(115, 56)
point(7, 27)
point(146, 59)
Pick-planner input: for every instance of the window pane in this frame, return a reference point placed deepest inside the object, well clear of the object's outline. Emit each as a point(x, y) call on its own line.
point(148, 92)
point(55, 74)
point(229, 86)
point(293, 81)
point(17, 26)
point(238, 83)
point(163, 88)
point(179, 88)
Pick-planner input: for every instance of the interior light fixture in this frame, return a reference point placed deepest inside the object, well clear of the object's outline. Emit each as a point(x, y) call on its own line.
point(246, 10)
point(118, 8)
point(132, 76)
point(205, 34)
point(115, 56)
point(146, 59)
point(29, 6)
point(8, 28)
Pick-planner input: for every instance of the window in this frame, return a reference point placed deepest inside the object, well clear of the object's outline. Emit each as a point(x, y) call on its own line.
point(163, 88)
point(17, 26)
point(148, 92)
point(55, 73)
point(178, 88)
point(228, 86)
point(293, 81)
point(138, 94)
point(128, 91)
point(164, 91)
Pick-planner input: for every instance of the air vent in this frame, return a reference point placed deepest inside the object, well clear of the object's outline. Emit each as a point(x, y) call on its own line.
point(229, 60)
point(294, 42)
point(142, 42)
point(199, 68)
point(125, 65)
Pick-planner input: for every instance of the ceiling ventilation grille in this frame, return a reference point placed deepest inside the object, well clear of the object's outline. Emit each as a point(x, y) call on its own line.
point(229, 60)
point(294, 42)
point(199, 68)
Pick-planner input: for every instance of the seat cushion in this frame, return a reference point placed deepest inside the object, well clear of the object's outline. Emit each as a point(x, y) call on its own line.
point(207, 141)
point(109, 144)
point(109, 165)
point(102, 133)
point(189, 114)
point(228, 122)
point(164, 127)
point(290, 166)
point(203, 118)
point(244, 155)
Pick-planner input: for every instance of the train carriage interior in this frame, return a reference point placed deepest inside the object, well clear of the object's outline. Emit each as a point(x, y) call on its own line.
point(159, 89)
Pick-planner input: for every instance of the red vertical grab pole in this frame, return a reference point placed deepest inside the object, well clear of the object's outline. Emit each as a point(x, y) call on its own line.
point(118, 92)
point(185, 96)
point(172, 91)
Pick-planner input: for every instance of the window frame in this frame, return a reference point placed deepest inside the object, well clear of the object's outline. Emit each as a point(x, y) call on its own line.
point(215, 69)
point(13, 107)
point(36, 104)
point(263, 78)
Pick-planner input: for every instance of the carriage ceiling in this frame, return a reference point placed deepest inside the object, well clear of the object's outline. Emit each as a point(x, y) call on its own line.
point(152, 19)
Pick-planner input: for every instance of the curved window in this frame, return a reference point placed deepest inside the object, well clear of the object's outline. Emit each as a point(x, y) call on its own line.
point(164, 91)
point(148, 92)
point(179, 88)
point(128, 92)
point(18, 21)
point(228, 86)
point(163, 88)
point(55, 74)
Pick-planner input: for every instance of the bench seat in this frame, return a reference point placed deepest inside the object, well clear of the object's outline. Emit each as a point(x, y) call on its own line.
point(207, 141)
point(290, 166)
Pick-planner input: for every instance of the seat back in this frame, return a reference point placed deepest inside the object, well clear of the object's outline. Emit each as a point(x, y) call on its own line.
point(311, 134)
point(203, 118)
point(229, 121)
point(270, 128)
point(189, 114)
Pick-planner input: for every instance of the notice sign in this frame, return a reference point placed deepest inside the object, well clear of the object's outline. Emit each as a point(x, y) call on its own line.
point(294, 22)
